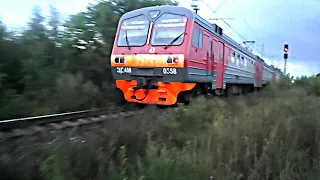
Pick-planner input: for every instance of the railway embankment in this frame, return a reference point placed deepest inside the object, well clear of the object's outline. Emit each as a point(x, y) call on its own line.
point(271, 134)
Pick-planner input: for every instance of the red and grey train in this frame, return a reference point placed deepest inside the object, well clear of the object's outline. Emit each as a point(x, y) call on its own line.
point(165, 54)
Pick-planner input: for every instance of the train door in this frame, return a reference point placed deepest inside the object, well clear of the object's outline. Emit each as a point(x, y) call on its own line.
point(256, 70)
point(258, 74)
point(220, 65)
point(206, 52)
point(210, 66)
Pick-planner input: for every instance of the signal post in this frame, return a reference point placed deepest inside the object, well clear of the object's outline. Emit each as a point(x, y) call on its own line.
point(286, 49)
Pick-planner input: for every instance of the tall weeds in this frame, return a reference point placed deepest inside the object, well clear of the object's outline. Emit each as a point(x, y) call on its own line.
point(267, 135)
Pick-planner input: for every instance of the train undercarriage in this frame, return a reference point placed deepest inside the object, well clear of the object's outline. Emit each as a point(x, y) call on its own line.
point(206, 90)
point(144, 91)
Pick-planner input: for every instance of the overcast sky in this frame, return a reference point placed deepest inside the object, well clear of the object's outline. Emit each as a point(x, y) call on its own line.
point(271, 23)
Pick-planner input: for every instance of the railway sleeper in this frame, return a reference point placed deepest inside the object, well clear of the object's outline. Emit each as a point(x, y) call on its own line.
point(37, 129)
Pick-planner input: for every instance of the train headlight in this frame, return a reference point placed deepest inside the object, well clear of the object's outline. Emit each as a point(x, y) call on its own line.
point(122, 60)
point(119, 60)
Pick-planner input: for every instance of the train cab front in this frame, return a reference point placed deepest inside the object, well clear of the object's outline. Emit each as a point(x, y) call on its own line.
point(148, 59)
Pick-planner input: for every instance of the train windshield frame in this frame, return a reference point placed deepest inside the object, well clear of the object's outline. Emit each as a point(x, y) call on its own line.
point(134, 31)
point(168, 27)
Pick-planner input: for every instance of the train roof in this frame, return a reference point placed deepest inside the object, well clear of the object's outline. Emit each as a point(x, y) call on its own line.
point(197, 18)
point(163, 8)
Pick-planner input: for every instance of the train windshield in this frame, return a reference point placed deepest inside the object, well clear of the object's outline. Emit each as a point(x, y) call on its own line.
point(169, 29)
point(134, 31)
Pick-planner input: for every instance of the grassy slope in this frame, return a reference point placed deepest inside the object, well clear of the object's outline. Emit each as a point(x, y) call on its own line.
point(267, 135)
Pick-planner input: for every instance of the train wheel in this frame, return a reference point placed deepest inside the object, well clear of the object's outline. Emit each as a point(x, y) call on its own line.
point(185, 97)
point(229, 91)
point(245, 90)
point(205, 89)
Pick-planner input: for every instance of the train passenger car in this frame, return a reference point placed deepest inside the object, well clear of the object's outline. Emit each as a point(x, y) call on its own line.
point(165, 54)
point(276, 76)
point(267, 74)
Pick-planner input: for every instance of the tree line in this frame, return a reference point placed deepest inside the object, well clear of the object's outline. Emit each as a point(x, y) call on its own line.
point(57, 66)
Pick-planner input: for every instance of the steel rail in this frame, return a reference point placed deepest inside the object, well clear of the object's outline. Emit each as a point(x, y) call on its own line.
point(53, 118)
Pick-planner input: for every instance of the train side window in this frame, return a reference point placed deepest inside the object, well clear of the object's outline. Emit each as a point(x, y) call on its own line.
point(221, 51)
point(245, 63)
point(238, 59)
point(233, 57)
point(195, 37)
point(200, 38)
point(242, 61)
point(253, 68)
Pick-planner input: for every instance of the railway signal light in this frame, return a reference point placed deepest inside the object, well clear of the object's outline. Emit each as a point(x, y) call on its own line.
point(286, 48)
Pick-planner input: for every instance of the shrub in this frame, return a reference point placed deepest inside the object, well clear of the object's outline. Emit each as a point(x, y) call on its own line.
point(286, 82)
point(314, 86)
point(310, 84)
point(73, 93)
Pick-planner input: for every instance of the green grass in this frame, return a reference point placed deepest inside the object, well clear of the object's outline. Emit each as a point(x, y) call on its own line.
point(311, 84)
point(272, 134)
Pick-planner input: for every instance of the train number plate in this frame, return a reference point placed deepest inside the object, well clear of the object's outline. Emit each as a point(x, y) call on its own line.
point(169, 71)
point(124, 70)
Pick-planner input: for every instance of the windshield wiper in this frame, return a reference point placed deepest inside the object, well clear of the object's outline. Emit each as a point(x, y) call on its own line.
point(174, 40)
point(127, 41)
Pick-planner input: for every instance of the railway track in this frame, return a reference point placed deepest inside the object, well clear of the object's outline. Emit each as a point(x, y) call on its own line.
point(29, 126)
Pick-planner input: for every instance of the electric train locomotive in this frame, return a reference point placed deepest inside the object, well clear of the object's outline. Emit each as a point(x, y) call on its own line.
point(165, 54)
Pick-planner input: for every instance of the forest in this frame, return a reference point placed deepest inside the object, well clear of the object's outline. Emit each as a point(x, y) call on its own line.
point(57, 65)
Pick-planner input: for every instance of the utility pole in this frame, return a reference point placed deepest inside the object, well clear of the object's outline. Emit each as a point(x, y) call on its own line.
point(194, 5)
point(286, 49)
